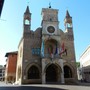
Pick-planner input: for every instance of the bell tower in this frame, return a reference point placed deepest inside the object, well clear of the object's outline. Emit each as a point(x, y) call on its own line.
point(50, 47)
point(27, 20)
point(68, 22)
point(68, 25)
point(50, 23)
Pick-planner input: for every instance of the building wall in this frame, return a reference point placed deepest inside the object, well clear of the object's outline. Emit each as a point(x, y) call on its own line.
point(12, 60)
point(30, 64)
point(85, 65)
point(2, 73)
point(10, 71)
point(25, 55)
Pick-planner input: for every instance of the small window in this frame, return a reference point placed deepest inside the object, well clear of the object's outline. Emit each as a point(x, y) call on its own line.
point(33, 51)
point(50, 19)
point(27, 22)
point(36, 51)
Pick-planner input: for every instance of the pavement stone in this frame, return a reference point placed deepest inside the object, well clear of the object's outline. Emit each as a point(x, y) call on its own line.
point(4, 84)
point(81, 86)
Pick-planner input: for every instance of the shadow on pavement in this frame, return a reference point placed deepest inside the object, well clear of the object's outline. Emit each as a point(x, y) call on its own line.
point(29, 88)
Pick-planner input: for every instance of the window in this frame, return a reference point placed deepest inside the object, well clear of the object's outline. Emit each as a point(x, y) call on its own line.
point(36, 51)
point(32, 50)
point(27, 22)
point(0, 74)
point(0, 71)
point(50, 19)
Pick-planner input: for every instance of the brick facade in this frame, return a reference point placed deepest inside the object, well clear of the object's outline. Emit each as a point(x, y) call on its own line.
point(54, 66)
point(11, 63)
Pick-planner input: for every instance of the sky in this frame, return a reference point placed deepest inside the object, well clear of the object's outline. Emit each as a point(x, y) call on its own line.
point(11, 22)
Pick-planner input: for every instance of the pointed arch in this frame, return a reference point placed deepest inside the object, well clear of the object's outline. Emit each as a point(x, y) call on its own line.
point(53, 72)
point(68, 70)
point(32, 69)
point(33, 73)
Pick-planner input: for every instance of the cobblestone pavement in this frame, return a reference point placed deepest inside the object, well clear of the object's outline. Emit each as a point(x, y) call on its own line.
point(82, 86)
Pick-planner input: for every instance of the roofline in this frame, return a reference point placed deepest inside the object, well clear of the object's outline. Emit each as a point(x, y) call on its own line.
point(14, 52)
point(85, 51)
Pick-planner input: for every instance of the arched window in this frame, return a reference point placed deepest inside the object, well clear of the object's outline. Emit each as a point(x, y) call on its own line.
point(33, 73)
point(27, 22)
point(67, 72)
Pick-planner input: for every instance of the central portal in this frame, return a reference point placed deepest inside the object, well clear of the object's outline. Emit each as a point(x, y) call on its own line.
point(52, 73)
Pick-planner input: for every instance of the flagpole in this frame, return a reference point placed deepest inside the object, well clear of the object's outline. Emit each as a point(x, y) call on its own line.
point(42, 49)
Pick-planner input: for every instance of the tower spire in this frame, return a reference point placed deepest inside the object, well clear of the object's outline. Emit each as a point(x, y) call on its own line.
point(27, 20)
point(27, 10)
point(68, 21)
point(67, 14)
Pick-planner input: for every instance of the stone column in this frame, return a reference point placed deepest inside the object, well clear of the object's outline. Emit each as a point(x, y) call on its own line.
point(62, 74)
point(62, 78)
point(43, 78)
point(43, 72)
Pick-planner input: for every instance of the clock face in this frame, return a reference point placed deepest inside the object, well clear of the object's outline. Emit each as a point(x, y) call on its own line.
point(50, 29)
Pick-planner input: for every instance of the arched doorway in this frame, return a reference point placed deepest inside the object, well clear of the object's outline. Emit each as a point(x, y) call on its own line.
point(52, 73)
point(67, 72)
point(33, 73)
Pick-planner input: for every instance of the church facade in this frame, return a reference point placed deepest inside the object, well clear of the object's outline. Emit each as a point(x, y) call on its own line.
point(47, 54)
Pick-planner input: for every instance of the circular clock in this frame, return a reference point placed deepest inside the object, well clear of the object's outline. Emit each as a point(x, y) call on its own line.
point(50, 29)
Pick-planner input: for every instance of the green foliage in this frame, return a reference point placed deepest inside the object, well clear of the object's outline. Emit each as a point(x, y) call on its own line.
point(78, 64)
